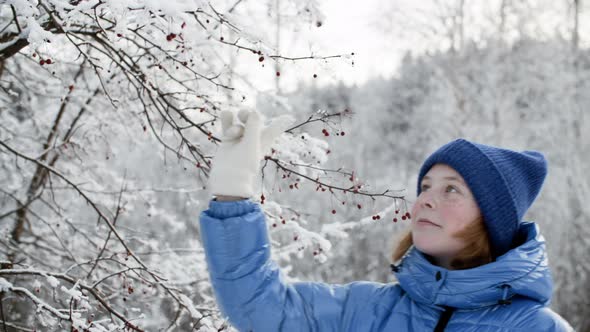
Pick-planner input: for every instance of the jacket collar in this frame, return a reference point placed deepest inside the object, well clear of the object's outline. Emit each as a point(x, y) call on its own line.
point(521, 271)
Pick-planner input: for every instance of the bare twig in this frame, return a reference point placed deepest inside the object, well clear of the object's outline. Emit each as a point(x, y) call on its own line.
point(83, 286)
point(15, 18)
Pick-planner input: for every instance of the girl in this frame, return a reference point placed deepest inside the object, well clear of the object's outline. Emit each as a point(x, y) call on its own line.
point(469, 262)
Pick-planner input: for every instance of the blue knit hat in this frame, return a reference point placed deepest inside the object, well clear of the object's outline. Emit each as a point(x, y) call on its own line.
point(504, 182)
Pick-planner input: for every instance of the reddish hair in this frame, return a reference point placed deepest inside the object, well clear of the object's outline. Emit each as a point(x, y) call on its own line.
point(476, 252)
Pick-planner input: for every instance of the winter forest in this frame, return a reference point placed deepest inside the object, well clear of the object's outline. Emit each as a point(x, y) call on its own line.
point(108, 127)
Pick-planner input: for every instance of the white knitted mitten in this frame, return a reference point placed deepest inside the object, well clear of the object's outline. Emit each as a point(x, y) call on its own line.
point(245, 140)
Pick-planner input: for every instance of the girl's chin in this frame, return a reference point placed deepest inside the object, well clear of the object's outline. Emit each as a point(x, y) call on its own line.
point(428, 244)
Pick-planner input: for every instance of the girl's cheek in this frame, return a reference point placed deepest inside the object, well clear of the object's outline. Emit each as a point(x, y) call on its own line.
point(414, 209)
point(454, 202)
point(453, 212)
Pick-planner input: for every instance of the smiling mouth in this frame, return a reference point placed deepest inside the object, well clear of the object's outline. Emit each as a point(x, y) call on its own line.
point(426, 222)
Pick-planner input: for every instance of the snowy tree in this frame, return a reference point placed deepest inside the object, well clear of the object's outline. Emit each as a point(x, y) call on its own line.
point(108, 126)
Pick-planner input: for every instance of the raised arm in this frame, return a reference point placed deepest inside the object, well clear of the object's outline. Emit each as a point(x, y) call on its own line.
point(250, 288)
point(248, 285)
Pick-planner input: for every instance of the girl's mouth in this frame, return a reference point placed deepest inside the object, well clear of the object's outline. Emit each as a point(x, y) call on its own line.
point(426, 222)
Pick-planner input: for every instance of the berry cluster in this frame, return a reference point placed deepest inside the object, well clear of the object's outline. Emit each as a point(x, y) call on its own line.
point(170, 36)
point(283, 221)
point(326, 133)
point(405, 216)
point(318, 251)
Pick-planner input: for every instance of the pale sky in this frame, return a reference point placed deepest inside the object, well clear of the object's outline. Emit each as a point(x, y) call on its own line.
point(348, 27)
point(352, 26)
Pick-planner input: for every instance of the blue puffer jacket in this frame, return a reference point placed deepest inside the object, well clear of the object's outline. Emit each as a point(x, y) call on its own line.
point(510, 294)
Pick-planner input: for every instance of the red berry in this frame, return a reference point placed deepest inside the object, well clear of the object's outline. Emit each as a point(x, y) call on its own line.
point(261, 59)
point(71, 87)
point(42, 62)
point(278, 73)
point(274, 225)
point(358, 206)
point(48, 61)
point(404, 218)
point(119, 35)
point(396, 211)
point(342, 133)
point(394, 219)
point(221, 38)
point(295, 238)
point(333, 211)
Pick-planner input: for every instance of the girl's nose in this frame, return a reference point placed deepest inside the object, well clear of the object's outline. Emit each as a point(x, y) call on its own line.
point(427, 200)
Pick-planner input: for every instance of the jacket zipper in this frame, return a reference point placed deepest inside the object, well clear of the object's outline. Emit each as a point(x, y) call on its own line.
point(444, 319)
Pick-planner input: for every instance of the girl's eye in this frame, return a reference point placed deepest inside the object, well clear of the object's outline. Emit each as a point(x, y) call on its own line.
point(451, 188)
point(424, 187)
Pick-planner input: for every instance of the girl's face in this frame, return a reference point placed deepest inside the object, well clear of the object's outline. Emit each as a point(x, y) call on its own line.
point(444, 207)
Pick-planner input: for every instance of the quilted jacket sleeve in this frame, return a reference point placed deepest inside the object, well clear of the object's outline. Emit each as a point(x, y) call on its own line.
point(249, 287)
